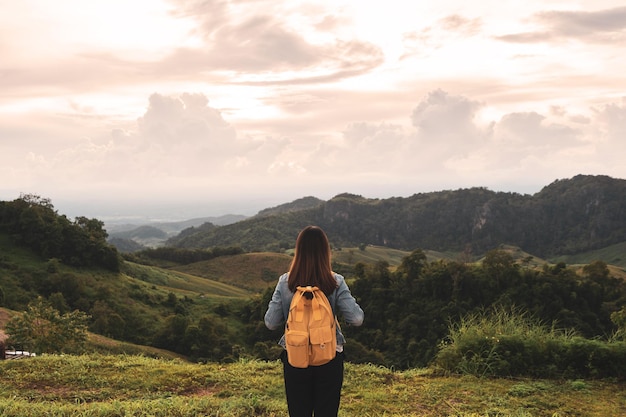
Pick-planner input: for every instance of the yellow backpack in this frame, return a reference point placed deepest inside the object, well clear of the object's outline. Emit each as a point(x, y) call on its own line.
point(310, 333)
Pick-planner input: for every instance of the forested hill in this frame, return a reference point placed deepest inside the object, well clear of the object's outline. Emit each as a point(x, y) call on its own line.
point(566, 217)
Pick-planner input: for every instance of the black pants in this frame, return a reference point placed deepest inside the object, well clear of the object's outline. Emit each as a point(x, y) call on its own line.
point(315, 390)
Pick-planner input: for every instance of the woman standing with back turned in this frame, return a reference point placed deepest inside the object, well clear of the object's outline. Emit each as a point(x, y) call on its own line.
point(315, 390)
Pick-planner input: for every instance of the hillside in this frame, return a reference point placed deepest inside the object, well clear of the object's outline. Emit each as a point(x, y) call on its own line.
point(370, 254)
point(613, 255)
point(567, 217)
point(250, 271)
point(132, 305)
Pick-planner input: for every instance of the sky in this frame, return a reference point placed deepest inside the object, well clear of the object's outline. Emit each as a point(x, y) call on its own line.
point(173, 109)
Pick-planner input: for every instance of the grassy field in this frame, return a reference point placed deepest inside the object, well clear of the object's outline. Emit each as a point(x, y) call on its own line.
point(109, 385)
point(371, 254)
point(258, 271)
point(250, 271)
point(612, 255)
point(182, 282)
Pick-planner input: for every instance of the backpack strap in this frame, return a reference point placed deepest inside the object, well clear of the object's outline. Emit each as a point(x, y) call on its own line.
point(321, 305)
point(298, 311)
point(316, 307)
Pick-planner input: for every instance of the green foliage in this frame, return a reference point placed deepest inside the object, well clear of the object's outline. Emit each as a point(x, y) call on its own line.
point(408, 311)
point(32, 222)
point(131, 306)
point(182, 256)
point(619, 318)
point(42, 329)
point(207, 339)
point(508, 342)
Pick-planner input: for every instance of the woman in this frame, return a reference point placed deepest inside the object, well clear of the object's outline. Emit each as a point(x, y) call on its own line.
point(315, 390)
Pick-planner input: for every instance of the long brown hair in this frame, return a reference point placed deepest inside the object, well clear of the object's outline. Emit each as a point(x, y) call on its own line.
point(311, 262)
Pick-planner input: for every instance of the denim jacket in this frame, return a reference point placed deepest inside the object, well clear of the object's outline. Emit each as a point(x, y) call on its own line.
point(341, 301)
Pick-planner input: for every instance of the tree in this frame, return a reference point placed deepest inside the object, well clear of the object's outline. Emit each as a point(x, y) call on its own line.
point(412, 265)
point(619, 318)
point(107, 321)
point(499, 265)
point(31, 221)
point(42, 329)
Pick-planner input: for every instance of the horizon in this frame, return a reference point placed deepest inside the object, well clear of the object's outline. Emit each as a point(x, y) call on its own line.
point(166, 211)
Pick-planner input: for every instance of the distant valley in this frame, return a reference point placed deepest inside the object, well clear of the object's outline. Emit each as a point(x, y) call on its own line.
point(129, 237)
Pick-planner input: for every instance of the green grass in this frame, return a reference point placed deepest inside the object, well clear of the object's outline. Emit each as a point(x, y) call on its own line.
point(612, 255)
point(108, 385)
point(371, 254)
point(182, 282)
point(250, 271)
point(506, 342)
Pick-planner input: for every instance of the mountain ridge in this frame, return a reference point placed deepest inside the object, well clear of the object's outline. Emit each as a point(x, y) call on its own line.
point(566, 217)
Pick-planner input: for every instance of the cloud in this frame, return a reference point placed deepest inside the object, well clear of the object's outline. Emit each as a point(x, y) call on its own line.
point(257, 46)
point(178, 139)
point(181, 144)
point(442, 125)
point(229, 43)
point(81, 72)
point(187, 119)
point(532, 130)
point(612, 119)
point(461, 25)
point(526, 37)
point(583, 24)
point(441, 116)
point(184, 137)
point(447, 30)
point(602, 26)
point(373, 147)
point(450, 142)
point(286, 168)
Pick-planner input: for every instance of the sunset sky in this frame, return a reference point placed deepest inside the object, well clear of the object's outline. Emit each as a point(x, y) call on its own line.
point(179, 109)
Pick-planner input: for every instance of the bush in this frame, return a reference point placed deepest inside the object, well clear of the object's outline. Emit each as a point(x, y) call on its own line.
point(510, 343)
point(42, 329)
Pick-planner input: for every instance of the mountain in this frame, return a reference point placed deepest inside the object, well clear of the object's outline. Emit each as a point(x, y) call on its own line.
point(142, 232)
point(566, 217)
point(135, 237)
point(303, 203)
